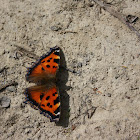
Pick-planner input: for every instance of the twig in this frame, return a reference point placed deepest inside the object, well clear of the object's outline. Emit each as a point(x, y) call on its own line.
point(116, 14)
point(13, 83)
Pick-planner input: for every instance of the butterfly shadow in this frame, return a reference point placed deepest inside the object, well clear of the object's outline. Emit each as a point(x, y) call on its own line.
point(62, 79)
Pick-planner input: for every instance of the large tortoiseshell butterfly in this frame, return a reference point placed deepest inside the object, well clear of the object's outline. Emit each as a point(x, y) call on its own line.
point(44, 95)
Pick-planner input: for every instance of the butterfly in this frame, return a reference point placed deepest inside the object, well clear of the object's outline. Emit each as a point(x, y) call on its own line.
point(45, 95)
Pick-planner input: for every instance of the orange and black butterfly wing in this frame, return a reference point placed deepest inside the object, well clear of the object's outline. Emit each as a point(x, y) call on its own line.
point(46, 100)
point(45, 97)
point(46, 67)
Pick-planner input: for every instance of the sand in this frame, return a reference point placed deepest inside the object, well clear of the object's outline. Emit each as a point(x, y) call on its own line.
point(99, 102)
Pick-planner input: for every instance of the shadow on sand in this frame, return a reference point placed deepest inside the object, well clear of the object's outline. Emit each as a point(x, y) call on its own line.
point(62, 79)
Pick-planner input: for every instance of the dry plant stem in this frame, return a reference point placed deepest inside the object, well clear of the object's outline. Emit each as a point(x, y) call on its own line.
point(12, 83)
point(116, 14)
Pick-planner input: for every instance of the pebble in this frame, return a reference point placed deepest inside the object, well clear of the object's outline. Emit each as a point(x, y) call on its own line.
point(55, 28)
point(5, 102)
point(79, 65)
point(11, 88)
point(22, 105)
point(93, 80)
point(86, 61)
point(108, 94)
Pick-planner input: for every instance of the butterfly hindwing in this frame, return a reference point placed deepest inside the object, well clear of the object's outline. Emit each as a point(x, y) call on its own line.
point(46, 66)
point(46, 100)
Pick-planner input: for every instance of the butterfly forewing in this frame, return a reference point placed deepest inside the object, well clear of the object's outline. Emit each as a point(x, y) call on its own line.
point(47, 66)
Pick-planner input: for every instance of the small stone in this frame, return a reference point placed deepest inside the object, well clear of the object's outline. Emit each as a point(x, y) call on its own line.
point(93, 80)
point(78, 72)
point(11, 88)
point(90, 4)
point(99, 58)
point(78, 136)
point(127, 97)
point(27, 131)
point(22, 105)
point(29, 139)
point(79, 64)
point(55, 28)
point(117, 76)
point(5, 102)
point(131, 18)
point(86, 60)
point(108, 94)
point(74, 64)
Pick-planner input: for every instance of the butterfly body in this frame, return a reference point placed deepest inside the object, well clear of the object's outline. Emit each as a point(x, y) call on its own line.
point(45, 95)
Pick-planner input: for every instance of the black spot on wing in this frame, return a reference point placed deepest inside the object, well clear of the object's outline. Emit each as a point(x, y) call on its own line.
point(56, 101)
point(54, 66)
point(43, 105)
point(43, 61)
point(43, 69)
point(54, 93)
point(41, 96)
point(56, 61)
point(47, 98)
point(48, 60)
point(48, 104)
point(48, 66)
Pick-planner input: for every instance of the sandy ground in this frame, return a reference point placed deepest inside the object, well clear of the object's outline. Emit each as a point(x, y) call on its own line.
point(102, 101)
